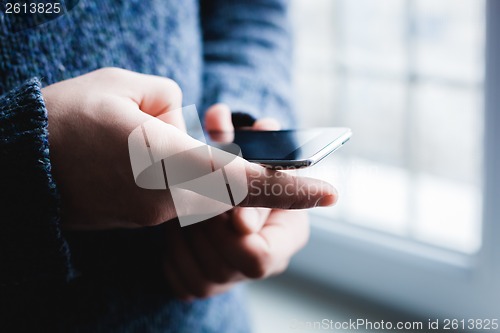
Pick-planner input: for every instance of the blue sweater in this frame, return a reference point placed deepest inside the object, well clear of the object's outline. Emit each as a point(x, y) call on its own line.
point(232, 51)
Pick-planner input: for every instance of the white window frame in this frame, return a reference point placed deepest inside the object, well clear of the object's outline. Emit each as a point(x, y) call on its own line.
point(429, 281)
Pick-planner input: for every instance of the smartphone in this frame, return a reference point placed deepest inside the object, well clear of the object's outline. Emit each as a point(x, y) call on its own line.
point(286, 149)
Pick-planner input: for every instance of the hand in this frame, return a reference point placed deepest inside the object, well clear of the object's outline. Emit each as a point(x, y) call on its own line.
point(209, 258)
point(90, 119)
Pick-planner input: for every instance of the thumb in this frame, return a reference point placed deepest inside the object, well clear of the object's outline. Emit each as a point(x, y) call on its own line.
point(281, 190)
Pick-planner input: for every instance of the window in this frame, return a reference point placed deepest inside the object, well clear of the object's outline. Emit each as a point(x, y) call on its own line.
point(408, 76)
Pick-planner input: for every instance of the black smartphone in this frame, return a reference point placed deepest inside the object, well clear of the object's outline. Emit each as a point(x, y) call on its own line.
point(285, 149)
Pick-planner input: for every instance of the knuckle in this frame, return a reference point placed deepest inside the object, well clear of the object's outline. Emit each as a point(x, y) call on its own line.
point(173, 87)
point(281, 268)
point(246, 201)
point(107, 77)
point(221, 277)
point(298, 201)
point(259, 265)
point(203, 291)
point(154, 209)
point(306, 235)
point(111, 71)
point(148, 217)
point(143, 222)
point(102, 103)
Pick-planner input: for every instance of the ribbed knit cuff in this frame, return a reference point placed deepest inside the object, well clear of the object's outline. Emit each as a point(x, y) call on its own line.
point(32, 249)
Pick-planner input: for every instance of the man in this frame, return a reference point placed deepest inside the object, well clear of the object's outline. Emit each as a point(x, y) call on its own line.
point(85, 249)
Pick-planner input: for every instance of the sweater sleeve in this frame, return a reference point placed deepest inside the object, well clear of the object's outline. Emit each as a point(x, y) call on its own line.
point(247, 57)
point(32, 249)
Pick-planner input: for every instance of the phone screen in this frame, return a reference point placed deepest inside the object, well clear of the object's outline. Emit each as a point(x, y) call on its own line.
point(274, 145)
point(288, 145)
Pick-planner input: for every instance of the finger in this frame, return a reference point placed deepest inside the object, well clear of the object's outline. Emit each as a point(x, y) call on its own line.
point(268, 252)
point(157, 96)
point(187, 268)
point(266, 124)
point(170, 271)
point(223, 137)
point(174, 118)
point(218, 118)
point(273, 189)
point(251, 185)
point(247, 220)
point(174, 282)
point(251, 254)
point(153, 95)
point(213, 266)
point(232, 247)
point(281, 227)
point(218, 123)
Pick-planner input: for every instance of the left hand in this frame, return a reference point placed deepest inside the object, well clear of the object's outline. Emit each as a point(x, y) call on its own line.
point(245, 243)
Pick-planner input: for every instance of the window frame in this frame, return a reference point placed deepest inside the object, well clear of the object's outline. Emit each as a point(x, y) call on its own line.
point(429, 281)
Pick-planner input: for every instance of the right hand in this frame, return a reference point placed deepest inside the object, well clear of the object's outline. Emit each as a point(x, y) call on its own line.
point(90, 119)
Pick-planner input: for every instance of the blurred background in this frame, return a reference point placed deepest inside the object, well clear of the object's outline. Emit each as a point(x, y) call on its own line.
point(410, 236)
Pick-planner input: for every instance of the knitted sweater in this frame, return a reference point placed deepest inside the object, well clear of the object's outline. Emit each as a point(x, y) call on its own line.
point(232, 51)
